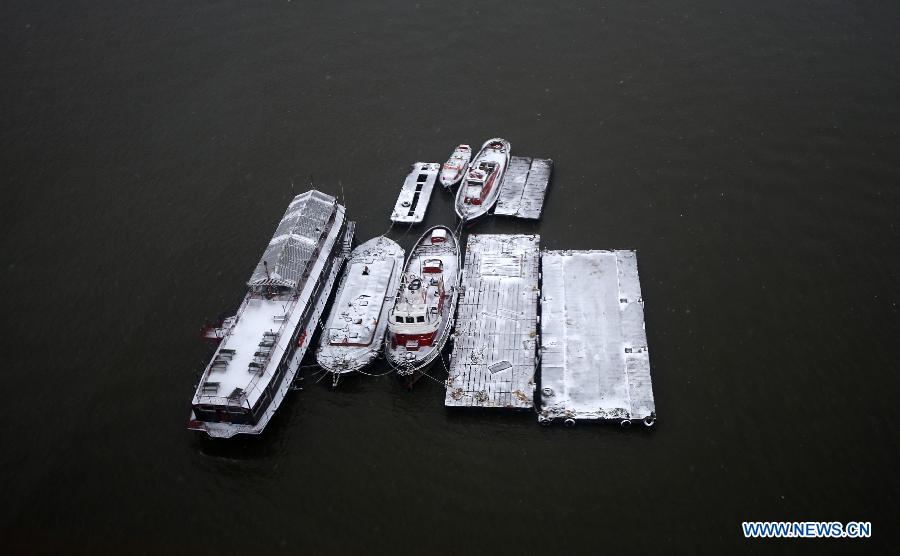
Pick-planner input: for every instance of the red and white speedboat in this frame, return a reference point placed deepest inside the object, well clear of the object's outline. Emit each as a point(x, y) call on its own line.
point(422, 317)
point(452, 171)
point(481, 186)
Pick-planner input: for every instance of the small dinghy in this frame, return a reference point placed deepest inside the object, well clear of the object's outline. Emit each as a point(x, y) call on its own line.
point(453, 170)
point(422, 316)
point(481, 186)
point(354, 330)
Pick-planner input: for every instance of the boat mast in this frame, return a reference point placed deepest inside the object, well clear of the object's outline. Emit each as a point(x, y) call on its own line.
point(268, 280)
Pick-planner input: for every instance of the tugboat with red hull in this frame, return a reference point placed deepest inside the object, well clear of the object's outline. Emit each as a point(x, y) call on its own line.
point(422, 316)
point(481, 187)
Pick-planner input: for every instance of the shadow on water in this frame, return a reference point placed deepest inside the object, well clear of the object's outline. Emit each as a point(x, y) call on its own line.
point(251, 447)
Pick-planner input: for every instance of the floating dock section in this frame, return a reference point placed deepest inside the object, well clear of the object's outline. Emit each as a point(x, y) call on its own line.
point(416, 193)
point(594, 359)
point(524, 187)
point(494, 352)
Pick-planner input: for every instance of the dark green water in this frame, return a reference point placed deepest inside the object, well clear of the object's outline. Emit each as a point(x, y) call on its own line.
point(748, 150)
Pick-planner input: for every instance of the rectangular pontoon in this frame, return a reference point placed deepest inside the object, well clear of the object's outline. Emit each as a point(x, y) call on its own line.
point(595, 364)
point(524, 187)
point(494, 352)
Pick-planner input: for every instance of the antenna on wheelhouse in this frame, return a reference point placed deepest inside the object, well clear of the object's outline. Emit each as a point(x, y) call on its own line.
point(268, 280)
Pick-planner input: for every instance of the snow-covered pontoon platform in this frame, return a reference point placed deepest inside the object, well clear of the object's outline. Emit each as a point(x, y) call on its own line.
point(594, 359)
point(416, 193)
point(524, 187)
point(494, 352)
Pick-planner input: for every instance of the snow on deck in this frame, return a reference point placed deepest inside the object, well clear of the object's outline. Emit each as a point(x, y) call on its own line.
point(256, 319)
point(233, 364)
point(595, 363)
point(357, 309)
point(356, 325)
point(416, 193)
point(493, 359)
point(524, 187)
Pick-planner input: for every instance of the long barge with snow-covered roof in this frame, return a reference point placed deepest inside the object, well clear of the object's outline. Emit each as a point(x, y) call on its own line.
point(261, 347)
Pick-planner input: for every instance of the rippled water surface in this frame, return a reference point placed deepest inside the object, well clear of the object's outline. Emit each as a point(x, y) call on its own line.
point(747, 150)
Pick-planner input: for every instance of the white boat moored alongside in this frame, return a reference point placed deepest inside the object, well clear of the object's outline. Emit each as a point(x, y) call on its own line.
point(354, 331)
point(453, 170)
point(481, 186)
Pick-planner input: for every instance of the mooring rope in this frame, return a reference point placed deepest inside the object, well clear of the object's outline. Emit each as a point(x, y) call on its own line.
point(441, 382)
point(445, 366)
point(389, 371)
point(389, 228)
point(408, 228)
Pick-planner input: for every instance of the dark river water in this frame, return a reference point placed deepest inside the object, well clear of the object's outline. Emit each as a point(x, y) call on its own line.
point(748, 150)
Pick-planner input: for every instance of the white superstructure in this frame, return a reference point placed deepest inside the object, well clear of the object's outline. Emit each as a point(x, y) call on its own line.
point(262, 345)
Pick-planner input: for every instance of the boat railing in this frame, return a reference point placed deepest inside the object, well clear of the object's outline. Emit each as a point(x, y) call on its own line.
point(225, 401)
point(267, 370)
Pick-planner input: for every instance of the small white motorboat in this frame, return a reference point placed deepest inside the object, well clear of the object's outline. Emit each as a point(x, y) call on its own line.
point(453, 170)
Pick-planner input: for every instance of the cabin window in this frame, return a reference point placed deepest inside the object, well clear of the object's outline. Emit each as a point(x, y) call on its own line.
point(420, 319)
point(410, 320)
point(422, 178)
point(399, 319)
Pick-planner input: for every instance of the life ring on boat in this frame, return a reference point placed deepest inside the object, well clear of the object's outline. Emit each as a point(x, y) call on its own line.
point(415, 285)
